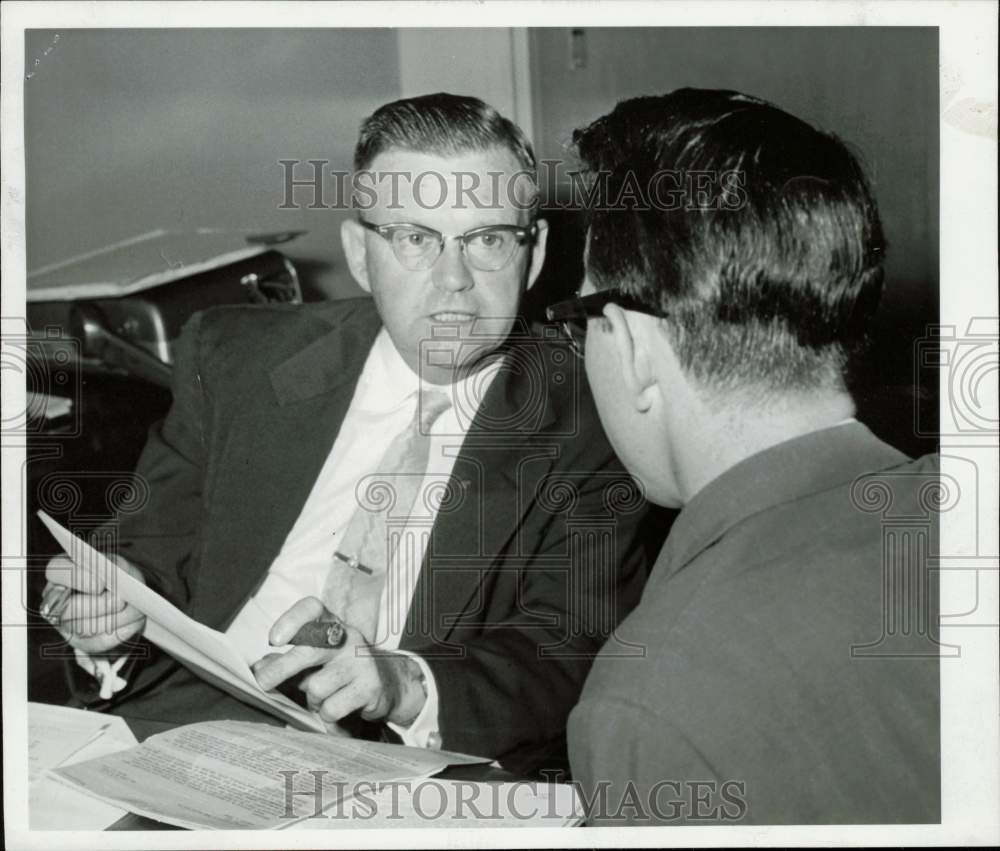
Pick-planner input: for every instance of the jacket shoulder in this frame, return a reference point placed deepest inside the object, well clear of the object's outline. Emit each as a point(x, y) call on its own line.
point(234, 321)
point(267, 334)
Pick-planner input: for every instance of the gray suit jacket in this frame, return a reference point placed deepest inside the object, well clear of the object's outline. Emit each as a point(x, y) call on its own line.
point(791, 662)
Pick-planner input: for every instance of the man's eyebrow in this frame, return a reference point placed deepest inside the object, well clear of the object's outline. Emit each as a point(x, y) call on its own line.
point(399, 222)
point(403, 223)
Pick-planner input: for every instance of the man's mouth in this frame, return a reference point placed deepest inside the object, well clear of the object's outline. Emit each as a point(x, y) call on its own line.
point(453, 316)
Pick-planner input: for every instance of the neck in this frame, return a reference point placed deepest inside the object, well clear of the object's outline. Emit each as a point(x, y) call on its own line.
point(440, 375)
point(722, 435)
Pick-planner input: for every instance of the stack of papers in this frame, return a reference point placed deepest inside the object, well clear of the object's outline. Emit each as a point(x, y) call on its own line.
point(237, 775)
point(59, 737)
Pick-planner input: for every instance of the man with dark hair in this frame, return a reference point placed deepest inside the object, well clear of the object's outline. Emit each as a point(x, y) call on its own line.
point(388, 461)
point(717, 332)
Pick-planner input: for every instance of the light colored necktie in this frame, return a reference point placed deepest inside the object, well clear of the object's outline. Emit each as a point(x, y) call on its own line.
point(357, 575)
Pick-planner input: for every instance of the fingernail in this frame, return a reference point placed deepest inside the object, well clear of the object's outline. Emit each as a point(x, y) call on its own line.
point(58, 607)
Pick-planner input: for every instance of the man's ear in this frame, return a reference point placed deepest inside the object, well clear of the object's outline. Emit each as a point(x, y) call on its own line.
point(631, 346)
point(352, 237)
point(538, 252)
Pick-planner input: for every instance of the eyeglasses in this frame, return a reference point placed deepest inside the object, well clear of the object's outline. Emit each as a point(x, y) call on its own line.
point(487, 249)
point(574, 312)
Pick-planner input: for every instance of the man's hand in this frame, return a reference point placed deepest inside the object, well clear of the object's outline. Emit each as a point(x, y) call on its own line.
point(380, 684)
point(90, 619)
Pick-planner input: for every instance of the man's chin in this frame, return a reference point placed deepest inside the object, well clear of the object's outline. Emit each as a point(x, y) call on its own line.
point(447, 363)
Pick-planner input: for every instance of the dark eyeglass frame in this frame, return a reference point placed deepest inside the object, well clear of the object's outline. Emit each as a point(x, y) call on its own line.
point(521, 235)
point(573, 313)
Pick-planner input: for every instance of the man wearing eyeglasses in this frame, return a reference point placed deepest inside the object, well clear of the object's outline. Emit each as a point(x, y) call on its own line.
point(414, 465)
point(791, 669)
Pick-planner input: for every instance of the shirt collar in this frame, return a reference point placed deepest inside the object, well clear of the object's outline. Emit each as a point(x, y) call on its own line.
point(387, 383)
point(783, 473)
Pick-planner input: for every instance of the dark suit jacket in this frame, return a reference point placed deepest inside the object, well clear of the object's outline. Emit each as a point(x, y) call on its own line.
point(789, 627)
point(512, 601)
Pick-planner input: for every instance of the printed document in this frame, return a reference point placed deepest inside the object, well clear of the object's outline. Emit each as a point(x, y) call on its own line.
point(237, 775)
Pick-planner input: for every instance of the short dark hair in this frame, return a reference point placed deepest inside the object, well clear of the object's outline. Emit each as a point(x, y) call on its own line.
point(442, 124)
point(773, 286)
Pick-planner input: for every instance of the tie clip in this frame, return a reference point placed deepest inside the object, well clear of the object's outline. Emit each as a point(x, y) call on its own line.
point(352, 561)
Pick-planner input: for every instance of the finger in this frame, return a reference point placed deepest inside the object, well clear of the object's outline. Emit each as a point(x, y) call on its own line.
point(93, 621)
point(373, 684)
point(274, 670)
point(59, 570)
point(84, 606)
point(54, 599)
point(109, 624)
point(334, 729)
point(361, 687)
point(377, 708)
point(305, 610)
point(270, 657)
point(105, 643)
point(327, 681)
point(343, 703)
point(80, 577)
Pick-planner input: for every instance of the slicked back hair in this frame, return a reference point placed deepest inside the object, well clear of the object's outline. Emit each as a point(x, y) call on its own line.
point(773, 288)
point(442, 124)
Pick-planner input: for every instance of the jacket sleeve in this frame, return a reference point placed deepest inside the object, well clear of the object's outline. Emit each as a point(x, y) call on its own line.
point(160, 536)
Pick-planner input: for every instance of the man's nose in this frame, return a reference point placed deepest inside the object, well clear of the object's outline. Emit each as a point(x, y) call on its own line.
point(451, 273)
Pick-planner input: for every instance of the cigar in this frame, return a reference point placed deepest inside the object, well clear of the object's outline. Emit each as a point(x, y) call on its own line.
point(329, 633)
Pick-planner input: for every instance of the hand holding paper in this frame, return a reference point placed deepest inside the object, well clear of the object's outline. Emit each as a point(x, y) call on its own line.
point(207, 652)
point(87, 614)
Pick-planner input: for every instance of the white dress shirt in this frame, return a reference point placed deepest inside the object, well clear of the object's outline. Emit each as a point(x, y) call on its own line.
point(383, 405)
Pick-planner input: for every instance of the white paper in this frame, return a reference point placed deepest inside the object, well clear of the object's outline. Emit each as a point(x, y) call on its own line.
point(208, 652)
point(226, 774)
point(58, 735)
point(55, 733)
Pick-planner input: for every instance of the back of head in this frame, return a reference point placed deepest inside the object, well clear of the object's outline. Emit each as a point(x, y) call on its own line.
point(441, 124)
point(755, 233)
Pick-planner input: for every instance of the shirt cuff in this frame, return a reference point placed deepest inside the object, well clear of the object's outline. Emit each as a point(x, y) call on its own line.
point(423, 731)
point(104, 671)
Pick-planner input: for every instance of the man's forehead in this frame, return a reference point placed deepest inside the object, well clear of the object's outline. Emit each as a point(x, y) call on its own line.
point(490, 179)
point(404, 159)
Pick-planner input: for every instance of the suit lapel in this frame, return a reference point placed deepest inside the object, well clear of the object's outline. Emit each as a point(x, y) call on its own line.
point(504, 456)
point(273, 454)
